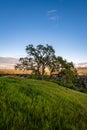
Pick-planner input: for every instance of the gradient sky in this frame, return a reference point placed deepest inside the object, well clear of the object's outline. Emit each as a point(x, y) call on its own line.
point(60, 23)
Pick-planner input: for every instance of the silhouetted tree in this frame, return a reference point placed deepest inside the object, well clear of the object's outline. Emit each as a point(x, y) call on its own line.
point(38, 59)
point(41, 57)
point(65, 71)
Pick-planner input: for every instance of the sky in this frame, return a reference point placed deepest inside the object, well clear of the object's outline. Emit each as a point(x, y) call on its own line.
point(60, 23)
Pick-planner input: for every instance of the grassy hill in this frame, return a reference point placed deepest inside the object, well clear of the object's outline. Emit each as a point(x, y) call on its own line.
point(39, 105)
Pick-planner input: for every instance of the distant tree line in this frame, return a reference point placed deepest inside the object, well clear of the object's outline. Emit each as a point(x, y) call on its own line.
point(43, 57)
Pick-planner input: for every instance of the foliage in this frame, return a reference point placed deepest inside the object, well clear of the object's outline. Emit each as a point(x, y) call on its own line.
point(81, 83)
point(39, 105)
point(66, 72)
point(38, 59)
point(43, 57)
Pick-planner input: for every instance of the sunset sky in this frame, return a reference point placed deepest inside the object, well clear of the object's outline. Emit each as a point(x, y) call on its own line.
point(60, 23)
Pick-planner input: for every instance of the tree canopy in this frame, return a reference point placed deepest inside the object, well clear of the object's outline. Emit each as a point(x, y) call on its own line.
point(43, 57)
point(38, 59)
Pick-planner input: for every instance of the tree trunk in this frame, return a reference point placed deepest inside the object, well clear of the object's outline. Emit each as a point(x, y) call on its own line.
point(43, 71)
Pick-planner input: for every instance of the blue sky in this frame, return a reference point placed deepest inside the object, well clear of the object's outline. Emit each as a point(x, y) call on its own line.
point(60, 23)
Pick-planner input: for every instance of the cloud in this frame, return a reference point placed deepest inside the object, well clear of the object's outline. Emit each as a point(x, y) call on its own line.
point(53, 17)
point(52, 11)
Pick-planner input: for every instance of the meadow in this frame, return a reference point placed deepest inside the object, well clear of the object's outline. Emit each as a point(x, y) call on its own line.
point(28, 104)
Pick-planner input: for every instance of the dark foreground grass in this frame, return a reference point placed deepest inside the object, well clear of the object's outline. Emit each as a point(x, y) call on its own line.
point(39, 105)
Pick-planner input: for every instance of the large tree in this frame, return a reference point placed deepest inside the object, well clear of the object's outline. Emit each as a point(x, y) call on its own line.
point(43, 56)
point(38, 59)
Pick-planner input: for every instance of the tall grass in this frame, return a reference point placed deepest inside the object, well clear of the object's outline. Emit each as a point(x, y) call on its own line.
point(39, 105)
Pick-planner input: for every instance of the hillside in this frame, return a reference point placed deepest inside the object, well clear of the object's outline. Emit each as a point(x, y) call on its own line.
point(27, 104)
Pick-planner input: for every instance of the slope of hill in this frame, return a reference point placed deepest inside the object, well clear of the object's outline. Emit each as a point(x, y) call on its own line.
point(39, 105)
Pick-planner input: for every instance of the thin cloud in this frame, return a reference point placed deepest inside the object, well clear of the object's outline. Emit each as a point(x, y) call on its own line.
point(52, 11)
point(53, 17)
point(53, 14)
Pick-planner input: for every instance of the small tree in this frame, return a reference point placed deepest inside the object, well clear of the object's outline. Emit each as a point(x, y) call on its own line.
point(67, 72)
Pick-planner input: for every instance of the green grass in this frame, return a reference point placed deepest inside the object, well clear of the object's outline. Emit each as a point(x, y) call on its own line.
point(39, 105)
